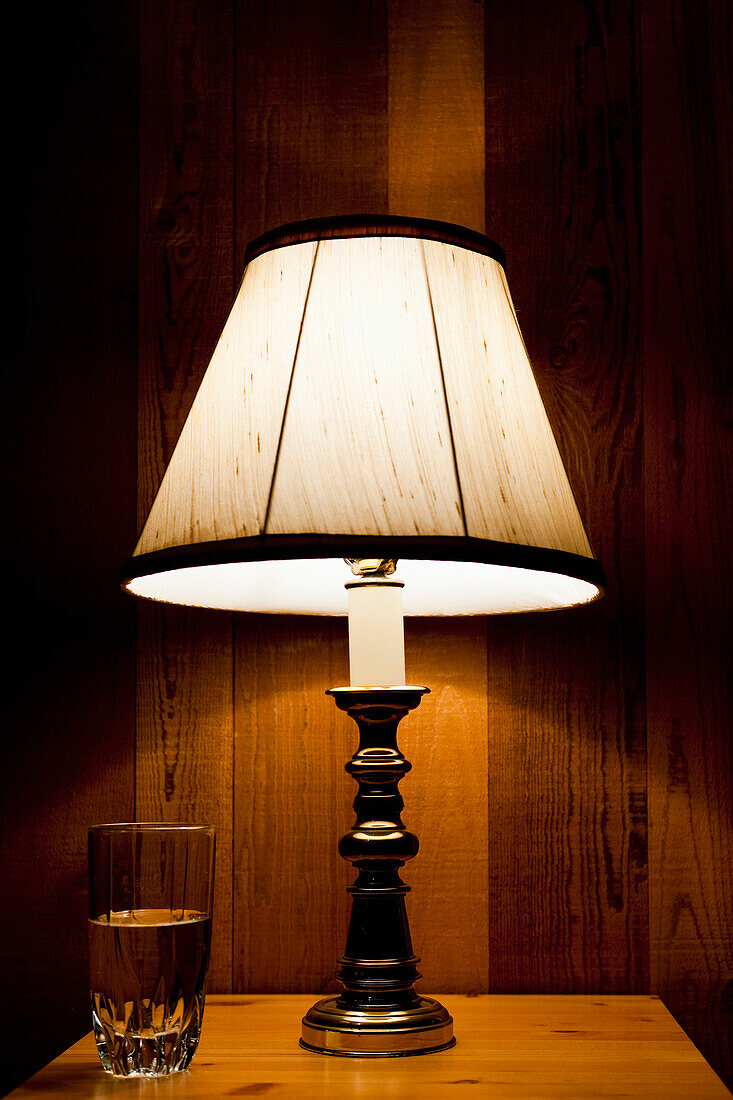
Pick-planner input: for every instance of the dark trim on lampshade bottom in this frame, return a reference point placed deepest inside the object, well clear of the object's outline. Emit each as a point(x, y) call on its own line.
point(369, 225)
point(294, 547)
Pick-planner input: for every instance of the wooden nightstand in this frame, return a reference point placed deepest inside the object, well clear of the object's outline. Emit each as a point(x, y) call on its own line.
point(508, 1046)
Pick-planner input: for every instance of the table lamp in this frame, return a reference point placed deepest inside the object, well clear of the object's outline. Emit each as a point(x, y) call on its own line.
point(370, 404)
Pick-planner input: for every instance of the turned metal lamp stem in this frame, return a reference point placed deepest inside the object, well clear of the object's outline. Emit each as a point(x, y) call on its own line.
point(378, 1012)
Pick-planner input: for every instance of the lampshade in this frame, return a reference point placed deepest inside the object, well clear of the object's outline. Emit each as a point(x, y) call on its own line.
point(370, 396)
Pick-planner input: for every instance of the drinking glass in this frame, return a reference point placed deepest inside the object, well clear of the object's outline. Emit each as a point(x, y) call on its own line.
point(150, 905)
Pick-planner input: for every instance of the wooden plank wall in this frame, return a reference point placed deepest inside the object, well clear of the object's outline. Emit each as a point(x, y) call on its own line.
point(572, 772)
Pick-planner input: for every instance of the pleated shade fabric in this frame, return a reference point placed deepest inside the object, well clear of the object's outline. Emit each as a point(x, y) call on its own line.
point(370, 395)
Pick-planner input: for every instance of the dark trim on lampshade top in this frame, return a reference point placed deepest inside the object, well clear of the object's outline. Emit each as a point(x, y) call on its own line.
point(431, 548)
point(367, 225)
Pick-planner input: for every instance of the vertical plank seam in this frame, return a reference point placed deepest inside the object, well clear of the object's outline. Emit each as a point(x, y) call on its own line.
point(234, 794)
point(136, 632)
point(487, 711)
point(487, 620)
point(233, 817)
point(235, 258)
point(638, 69)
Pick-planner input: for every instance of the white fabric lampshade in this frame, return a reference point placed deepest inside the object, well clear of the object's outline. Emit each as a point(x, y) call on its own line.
point(370, 396)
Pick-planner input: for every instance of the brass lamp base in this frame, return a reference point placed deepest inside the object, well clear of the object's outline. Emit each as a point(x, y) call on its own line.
point(331, 1027)
point(378, 1014)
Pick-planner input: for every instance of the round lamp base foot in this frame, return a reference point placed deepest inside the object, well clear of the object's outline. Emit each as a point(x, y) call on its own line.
point(331, 1027)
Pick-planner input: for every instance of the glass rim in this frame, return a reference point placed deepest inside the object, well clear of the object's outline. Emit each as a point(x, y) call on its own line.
point(150, 826)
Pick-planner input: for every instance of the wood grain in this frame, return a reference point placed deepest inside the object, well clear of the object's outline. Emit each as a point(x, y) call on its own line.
point(436, 110)
point(567, 858)
point(688, 268)
point(69, 475)
point(292, 802)
point(184, 718)
point(565, 1047)
point(446, 802)
point(311, 93)
point(311, 98)
point(184, 745)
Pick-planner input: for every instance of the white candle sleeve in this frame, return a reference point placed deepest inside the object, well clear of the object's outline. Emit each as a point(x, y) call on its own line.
point(376, 633)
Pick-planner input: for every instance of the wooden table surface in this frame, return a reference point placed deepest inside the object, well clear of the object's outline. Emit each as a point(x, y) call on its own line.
point(508, 1046)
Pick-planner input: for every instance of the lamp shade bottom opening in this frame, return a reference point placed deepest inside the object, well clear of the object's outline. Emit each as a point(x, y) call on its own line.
point(315, 586)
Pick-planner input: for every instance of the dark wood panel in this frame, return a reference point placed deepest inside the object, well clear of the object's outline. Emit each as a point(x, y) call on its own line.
point(567, 767)
point(69, 481)
point(187, 278)
point(184, 717)
point(688, 335)
point(311, 95)
point(184, 746)
point(436, 110)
